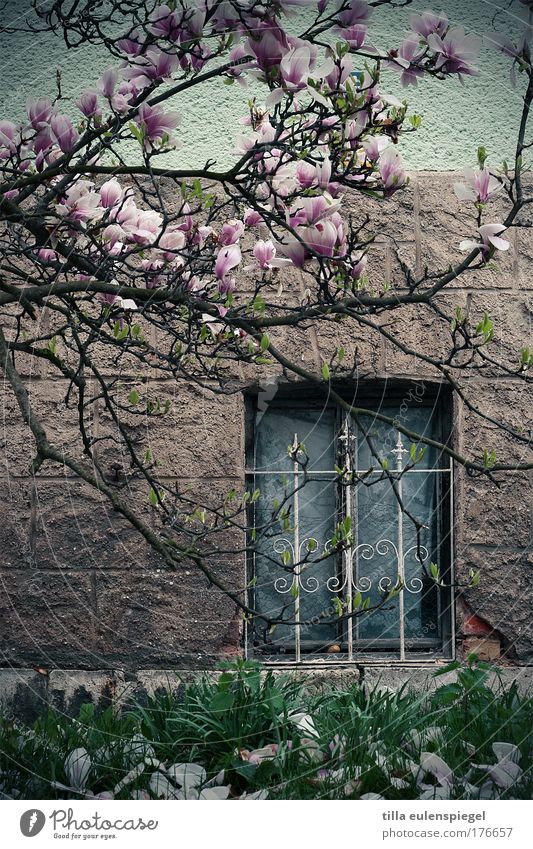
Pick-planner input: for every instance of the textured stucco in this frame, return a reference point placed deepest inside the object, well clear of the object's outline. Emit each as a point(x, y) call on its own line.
point(456, 119)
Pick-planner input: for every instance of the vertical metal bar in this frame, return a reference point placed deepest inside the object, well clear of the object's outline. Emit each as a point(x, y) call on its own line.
point(296, 564)
point(401, 566)
point(348, 552)
point(451, 599)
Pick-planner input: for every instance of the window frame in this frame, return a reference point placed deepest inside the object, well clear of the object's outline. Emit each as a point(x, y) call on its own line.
point(371, 394)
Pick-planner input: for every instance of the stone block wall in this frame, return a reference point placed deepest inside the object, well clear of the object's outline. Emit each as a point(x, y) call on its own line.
point(81, 590)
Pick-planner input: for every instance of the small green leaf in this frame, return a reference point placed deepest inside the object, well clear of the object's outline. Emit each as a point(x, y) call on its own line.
point(481, 155)
point(325, 371)
point(134, 397)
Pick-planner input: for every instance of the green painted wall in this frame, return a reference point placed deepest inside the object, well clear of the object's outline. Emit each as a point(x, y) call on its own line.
point(456, 119)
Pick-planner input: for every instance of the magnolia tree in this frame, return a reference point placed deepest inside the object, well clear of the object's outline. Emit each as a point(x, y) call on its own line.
point(120, 250)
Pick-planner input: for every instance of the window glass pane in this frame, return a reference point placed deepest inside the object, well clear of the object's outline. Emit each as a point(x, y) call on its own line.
point(383, 436)
point(317, 516)
point(383, 536)
point(378, 548)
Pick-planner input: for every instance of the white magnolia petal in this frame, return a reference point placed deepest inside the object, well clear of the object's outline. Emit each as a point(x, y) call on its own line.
point(319, 97)
point(499, 244)
point(506, 751)
point(468, 245)
point(187, 775)
point(216, 781)
point(464, 192)
point(161, 787)
point(435, 765)
point(131, 776)
point(304, 723)
point(127, 303)
point(259, 794)
point(505, 773)
point(275, 97)
point(219, 793)
point(77, 767)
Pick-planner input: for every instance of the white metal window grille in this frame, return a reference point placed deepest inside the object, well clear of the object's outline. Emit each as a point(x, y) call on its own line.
point(297, 576)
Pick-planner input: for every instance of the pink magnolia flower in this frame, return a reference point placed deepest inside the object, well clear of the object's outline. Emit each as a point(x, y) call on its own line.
point(227, 258)
point(170, 243)
point(39, 111)
point(156, 123)
point(268, 44)
point(322, 238)
point(80, 203)
point(265, 255)
point(142, 226)
point(63, 133)
point(355, 35)
point(111, 193)
point(490, 238)
point(231, 232)
point(409, 53)
point(131, 44)
point(306, 174)
point(165, 23)
point(339, 73)
point(293, 249)
point(455, 51)
point(428, 23)
point(9, 136)
point(310, 210)
point(87, 103)
point(113, 236)
point(391, 170)
point(108, 82)
point(47, 255)
point(480, 185)
point(151, 66)
point(237, 72)
point(227, 285)
point(374, 146)
point(358, 13)
point(202, 234)
point(359, 266)
point(252, 218)
point(355, 127)
point(296, 66)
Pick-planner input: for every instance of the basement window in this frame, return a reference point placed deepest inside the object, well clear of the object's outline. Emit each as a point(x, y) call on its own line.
point(322, 472)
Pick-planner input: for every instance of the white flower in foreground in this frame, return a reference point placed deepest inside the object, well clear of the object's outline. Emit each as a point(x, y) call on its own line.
point(432, 764)
point(258, 795)
point(77, 768)
point(506, 772)
point(191, 779)
point(304, 723)
point(490, 238)
point(480, 185)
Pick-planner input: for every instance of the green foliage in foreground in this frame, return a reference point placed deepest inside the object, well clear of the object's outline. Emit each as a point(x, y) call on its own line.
point(250, 731)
